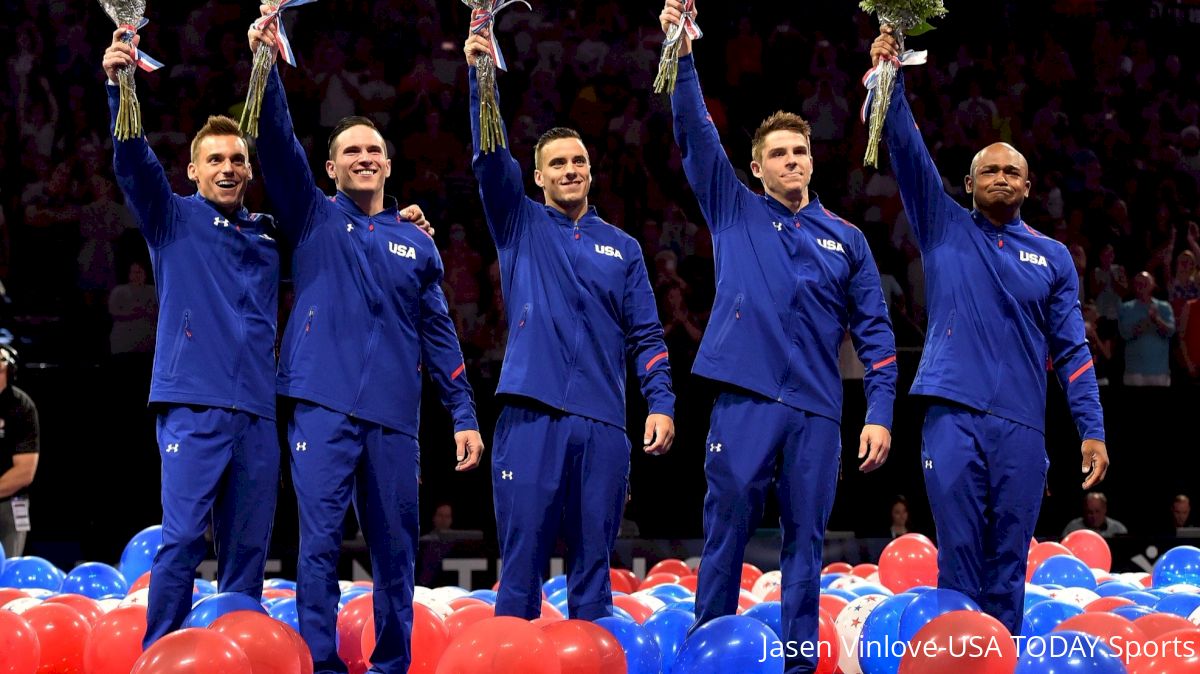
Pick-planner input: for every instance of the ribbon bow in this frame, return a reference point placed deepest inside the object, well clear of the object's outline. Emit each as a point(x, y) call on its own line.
point(482, 19)
point(689, 25)
point(143, 60)
point(285, 47)
point(871, 79)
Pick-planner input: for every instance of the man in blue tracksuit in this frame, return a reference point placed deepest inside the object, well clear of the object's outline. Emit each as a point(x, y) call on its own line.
point(217, 268)
point(369, 317)
point(579, 303)
point(1003, 307)
point(792, 278)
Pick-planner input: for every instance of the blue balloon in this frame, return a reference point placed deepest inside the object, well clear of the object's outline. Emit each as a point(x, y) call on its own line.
point(485, 595)
point(555, 584)
point(919, 589)
point(1044, 616)
point(618, 612)
point(1033, 595)
point(688, 605)
point(671, 593)
point(864, 589)
point(844, 594)
point(880, 632)
point(356, 591)
point(1052, 586)
point(1140, 597)
point(268, 603)
point(212, 607)
point(95, 580)
point(204, 587)
point(284, 610)
point(1178, 565)
point(279, 584)
point(1131, 612)
point(3, 559)
point(770, 613)
point(558, 596)
point(669, 628)
point(732, 643)
point(828, 578)
point(139, 553)
point(641, 651)
point(31, 572)
point(930, 605)
point(1066, 571)
point(1180, 604)
point(1068, 652)
point(1114, 588)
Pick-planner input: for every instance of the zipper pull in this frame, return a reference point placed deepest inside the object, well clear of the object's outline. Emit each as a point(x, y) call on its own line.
point(577, 231)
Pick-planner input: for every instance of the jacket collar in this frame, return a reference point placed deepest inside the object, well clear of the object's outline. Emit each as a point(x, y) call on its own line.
point(590, 216)
point(1011, 227)
point(390, 206)
point(242, 214)
point(778, 208)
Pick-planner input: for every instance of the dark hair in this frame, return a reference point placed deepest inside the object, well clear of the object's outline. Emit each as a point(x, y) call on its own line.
point(557, 133)
point(346, 123)
point(780, 121)
point(217, 125)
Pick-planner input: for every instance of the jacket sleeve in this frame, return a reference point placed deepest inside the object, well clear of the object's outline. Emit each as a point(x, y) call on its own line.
point(705, 163)
point(871, 331)
point(289, 180)
point(143, 182)
point(1070, 355)
point(441, 353)
point(928, 208)
point(644, 337)
point(501, 187)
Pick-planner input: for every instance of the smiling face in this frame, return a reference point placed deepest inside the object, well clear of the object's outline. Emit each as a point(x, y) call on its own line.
point(999, 178)
point(784, 164)
point(358, 161)
point(564, 173)
point(221, 170)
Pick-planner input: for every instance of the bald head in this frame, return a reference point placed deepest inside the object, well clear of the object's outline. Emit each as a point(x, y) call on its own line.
point(1001, 154)
point(999, 182)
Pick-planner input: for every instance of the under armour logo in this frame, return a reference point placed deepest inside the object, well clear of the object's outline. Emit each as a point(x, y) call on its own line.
point(714, 447)
point(506, 475)
point(301, 446)
point(173, 448)
point(778, 226)
point(929, 464)
point(349, 227)
point(220, 222)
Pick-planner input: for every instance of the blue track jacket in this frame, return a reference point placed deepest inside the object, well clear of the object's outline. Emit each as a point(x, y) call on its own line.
point(789, 286)
point(1003, 302)
point(577, 297)
point(369, 310)
point(217, 280)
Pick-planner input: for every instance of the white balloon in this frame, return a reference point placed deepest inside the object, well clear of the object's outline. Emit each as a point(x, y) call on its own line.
point(21, 604)
point(344, 585)
point(849, 625)
point(39, 592)
point(653, 603)
point(767, 582)
point(139, 598)
point(109, 604)
point(846, 582)
point(428, 600)
point(1079, 596)
point(1194, 618)
point(449, 593)
point(1181, 588)
point(874, 577)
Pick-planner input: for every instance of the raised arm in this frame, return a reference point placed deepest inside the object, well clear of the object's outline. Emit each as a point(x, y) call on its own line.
point(501, 187)
point(139, 173)
point(926, 203)
point(646, 348)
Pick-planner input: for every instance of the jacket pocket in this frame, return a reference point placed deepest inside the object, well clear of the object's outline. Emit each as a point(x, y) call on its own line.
point(185, 336)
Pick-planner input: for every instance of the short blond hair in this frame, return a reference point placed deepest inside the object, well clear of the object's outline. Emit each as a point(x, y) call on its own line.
point(780, 121)
point(217, 125)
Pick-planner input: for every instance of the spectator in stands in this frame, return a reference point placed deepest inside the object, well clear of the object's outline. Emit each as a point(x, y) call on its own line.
point(1181, 511)
point(1147, 324)
point(1109, 285)
point(1185, 277)
point(899, 515)
point(134, 309)
point(1100, 338)
point(19, 446)
point(1095, 517)
point(1189, 340)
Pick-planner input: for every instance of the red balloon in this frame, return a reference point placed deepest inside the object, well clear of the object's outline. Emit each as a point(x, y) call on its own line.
point(775, 594)
point(302, 651)
point(363, 583)
point(637, 609)
point(1040, 553)
point(277, 593)
point(142, 582)
point(906, 563)
point(350, 622)
point(19, 647)
point(467, 616)
point(623, 580)
point(460, 602)
point(264, 640)
point(828, 644)
point(833, 604)
point(689, 582)
point(549, 611)
point(1090, 547)
point(429, 640)
point(62, 632)
point(503, 645)
point(746, 601)
point(115, 643)
point(1107, 604)
point(1147, 581)
point(658, 579)
point(496, 587)
point(195, 650)
point(1176, 652)
point(1158, 624)
point(837, 567)
point(750, 574)
point(8, 594)
point(88, 608)
point(961, 641)
point(864, 570)
point(675, 566)
point(1112, 629)
point(585, 648)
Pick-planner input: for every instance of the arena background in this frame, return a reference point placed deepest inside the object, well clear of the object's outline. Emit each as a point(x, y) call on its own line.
point(1098, 95)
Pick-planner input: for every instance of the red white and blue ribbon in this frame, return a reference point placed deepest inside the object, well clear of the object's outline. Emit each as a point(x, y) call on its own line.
point(143, 60)
point(285, 47)
point(871, 79)
point(689, 25)
point(482, 19)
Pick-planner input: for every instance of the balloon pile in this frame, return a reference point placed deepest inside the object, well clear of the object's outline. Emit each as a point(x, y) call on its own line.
point(872, 619)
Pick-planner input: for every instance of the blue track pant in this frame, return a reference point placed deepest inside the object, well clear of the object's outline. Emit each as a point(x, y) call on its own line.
point(752, 443)
point(553, 470)
point(337, 459)
point(985, 477)
point(219, 464)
